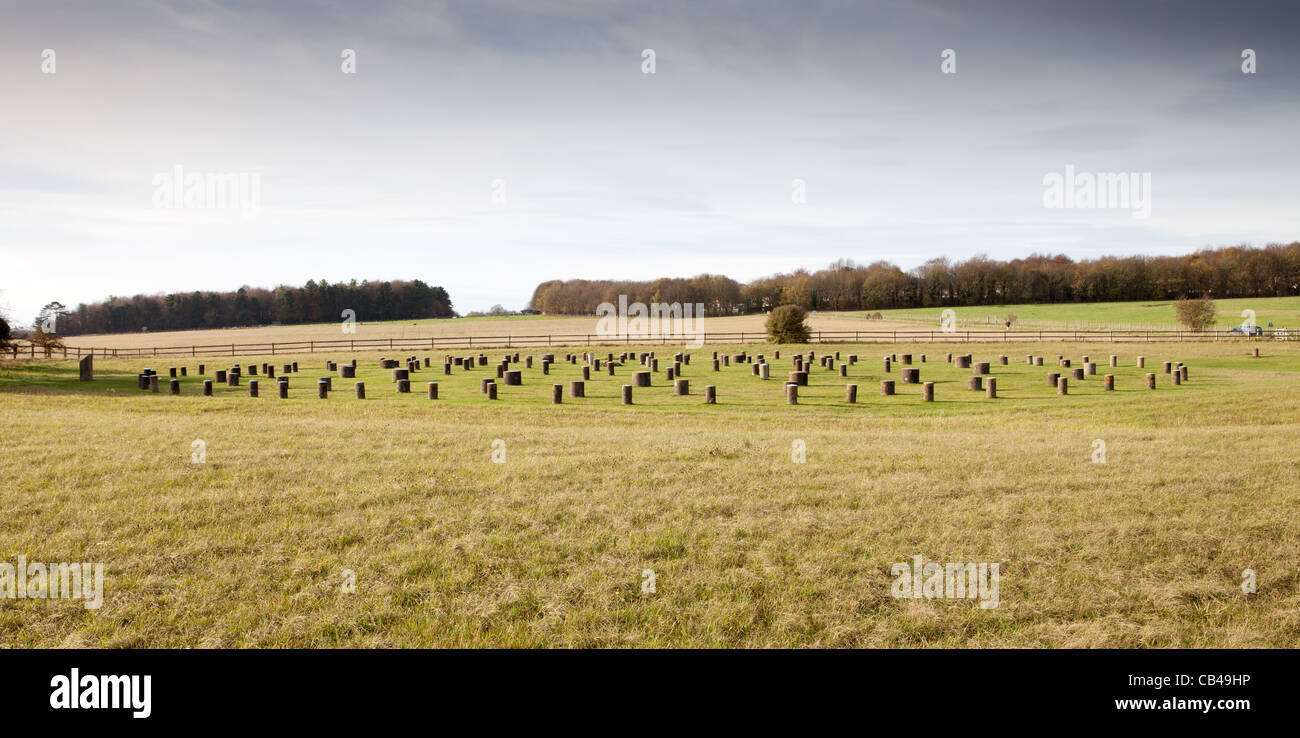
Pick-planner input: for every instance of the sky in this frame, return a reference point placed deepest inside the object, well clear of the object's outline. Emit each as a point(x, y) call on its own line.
point(486, 146)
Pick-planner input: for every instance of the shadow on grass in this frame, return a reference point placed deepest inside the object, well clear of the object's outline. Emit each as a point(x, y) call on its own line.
point(63, 378)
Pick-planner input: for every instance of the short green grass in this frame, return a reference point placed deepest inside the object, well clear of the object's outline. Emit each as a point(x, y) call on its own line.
point(1283, 312)
point(748, 547)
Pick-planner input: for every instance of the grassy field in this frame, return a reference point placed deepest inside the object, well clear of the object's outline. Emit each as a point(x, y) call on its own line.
point(1284, 312)
point(748, 546)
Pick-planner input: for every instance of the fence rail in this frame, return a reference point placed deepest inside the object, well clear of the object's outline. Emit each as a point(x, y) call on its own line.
point(592, 339)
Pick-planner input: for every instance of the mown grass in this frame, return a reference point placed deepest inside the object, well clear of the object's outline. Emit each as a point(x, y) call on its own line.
point(1283, 312)
point(749, 548)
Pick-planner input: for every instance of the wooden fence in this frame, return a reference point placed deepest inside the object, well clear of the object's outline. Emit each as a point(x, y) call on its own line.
point(462, 343)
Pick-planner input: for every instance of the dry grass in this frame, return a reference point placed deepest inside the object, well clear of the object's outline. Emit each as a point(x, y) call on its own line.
point(449, 328)
point(748, 547)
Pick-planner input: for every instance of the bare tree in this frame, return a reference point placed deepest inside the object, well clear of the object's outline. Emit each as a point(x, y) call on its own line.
point(47, 342)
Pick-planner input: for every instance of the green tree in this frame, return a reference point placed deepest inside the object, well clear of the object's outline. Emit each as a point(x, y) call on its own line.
point(786, 324)
point(4, 334)
point(242, 315)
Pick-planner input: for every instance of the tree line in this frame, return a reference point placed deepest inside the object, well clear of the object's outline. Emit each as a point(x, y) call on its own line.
point(314, 302)
point(581, 296)
point(1233, 271)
